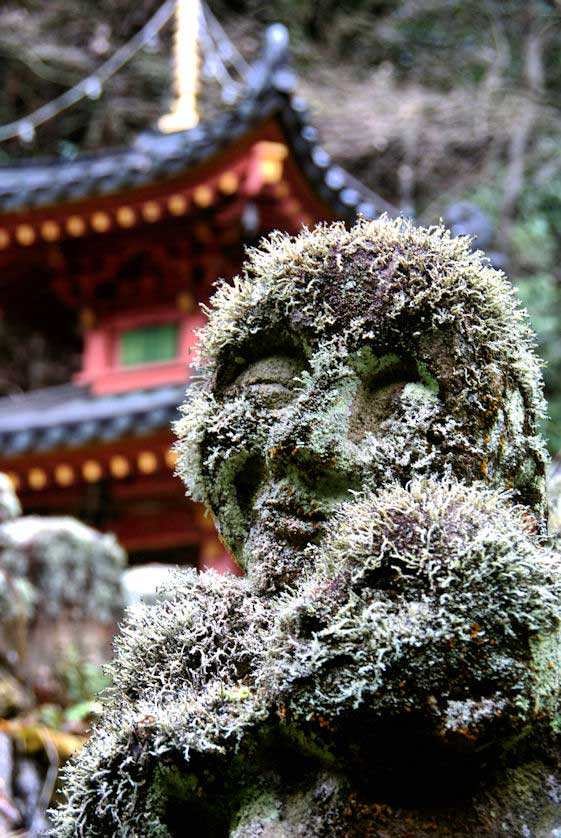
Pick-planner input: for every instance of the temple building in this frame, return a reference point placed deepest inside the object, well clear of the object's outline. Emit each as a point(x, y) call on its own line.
point(122, 247)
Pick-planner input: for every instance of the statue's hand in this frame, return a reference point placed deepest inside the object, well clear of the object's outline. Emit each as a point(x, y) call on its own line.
point(435, 603)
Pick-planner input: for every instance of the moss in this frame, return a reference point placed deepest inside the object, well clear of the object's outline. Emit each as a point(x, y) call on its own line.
point(436, 599)
point(362, 398)
point(392, 290)
point(426, 593)
point(180, 679)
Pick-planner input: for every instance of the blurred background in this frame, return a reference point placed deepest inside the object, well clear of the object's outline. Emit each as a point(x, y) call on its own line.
point(143, 145)
point(428, 102)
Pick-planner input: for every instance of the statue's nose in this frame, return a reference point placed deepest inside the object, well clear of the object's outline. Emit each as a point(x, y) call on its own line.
point(309, 435)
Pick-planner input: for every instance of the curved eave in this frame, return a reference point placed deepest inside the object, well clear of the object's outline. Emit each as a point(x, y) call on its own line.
point(59, 437)
point(29, 190)
point(70, 416)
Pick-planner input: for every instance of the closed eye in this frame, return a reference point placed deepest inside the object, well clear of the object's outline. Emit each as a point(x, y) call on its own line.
point(271, 381)
point(379, 393)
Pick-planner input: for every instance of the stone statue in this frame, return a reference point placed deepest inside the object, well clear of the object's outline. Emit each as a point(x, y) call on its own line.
point(363, 427)
point(10, 506)
point(60, 587)
point(60, 602)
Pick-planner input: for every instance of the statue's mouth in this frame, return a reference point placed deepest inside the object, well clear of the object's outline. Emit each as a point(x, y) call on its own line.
point(292, 519)
point(296, 525)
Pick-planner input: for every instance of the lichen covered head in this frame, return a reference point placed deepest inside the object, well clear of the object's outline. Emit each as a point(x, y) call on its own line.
point(344, 359)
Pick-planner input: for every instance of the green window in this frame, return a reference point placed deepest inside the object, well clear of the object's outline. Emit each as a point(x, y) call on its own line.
point(149, 344)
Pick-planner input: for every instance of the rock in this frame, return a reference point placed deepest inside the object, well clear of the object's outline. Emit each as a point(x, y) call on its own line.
point(60, 586)
point(71, 568)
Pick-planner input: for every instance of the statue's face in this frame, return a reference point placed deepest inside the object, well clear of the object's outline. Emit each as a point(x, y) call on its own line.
point(318, 423)
point(349, 363)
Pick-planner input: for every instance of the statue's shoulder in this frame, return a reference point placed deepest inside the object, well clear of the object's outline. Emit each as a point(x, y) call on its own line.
point(190, 633)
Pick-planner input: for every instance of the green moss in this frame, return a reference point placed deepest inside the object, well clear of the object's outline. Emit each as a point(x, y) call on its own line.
point(428, 380)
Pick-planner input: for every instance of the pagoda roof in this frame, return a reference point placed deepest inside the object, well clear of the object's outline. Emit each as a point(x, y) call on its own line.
point(71, 415)
point(154, 156)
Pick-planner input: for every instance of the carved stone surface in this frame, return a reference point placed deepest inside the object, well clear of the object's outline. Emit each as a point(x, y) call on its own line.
point(364, 430)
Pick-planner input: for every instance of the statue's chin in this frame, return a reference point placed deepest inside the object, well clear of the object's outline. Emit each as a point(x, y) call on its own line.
point(274, 553)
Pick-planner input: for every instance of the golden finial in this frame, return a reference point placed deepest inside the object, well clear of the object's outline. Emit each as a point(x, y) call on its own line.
point(184, 113)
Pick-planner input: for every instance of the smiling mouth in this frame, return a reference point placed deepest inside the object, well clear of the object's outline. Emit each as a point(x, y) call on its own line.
point(289, 520)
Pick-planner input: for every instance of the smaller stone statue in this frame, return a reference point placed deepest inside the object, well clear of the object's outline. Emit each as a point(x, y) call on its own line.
point(10, 506)
point(364, 428)
point(60, 599)
point(60, 586)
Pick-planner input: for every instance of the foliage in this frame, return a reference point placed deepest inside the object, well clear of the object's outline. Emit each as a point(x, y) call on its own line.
point(53, 46)
point(82, 681)
point(541, 294)
point(536, 255)
point(36, 738)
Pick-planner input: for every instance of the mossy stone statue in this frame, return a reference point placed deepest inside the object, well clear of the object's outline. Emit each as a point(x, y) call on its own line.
point(363, 427)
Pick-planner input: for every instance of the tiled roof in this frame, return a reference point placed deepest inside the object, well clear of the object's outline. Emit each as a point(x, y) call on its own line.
point(270, 90)
point(70, 415)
